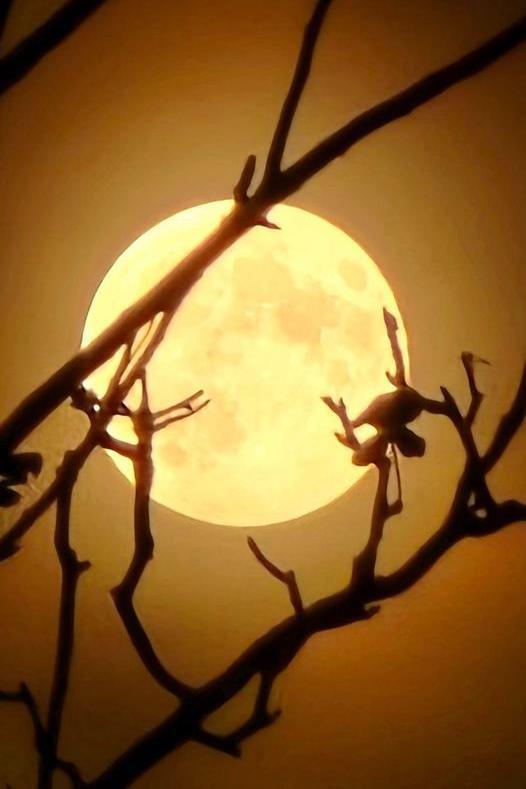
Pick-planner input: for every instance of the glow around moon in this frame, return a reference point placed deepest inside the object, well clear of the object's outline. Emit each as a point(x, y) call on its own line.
point(280, 319)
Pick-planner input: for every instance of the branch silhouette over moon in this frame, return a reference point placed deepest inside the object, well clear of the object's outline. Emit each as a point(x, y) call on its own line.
point(473, 512)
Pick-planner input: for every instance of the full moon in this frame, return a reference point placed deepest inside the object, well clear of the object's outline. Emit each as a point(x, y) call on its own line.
point(280, 319)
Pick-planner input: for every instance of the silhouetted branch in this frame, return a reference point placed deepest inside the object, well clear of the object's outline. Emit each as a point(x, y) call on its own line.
point(71, 569)
point(348, 438)
point(5, 9)
point(402, 104)
point(144, 423)
point(25, 55)
point(397, 505)
point(9, 542)
point(391, 325)
point(24, 696)
point(286, 577)
point(469, 360)
point(168, 294)
point(509, 425)
point(97, 435)
point(299, 80)
point(245, 179)
point(364, 564)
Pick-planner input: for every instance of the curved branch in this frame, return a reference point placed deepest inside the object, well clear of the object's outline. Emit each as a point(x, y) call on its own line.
point(145, 427)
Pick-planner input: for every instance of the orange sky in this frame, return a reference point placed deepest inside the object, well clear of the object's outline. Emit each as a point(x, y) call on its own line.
point(150, 108)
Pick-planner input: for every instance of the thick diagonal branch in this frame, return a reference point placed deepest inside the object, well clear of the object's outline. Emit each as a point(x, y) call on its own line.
point(118, 388)
point(170, 291)
point(25, 55)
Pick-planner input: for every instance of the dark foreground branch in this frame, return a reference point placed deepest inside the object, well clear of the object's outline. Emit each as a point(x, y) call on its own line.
point(71, 570)
point(24, 696)
point(246, 213)
point(146, 423)
point(25, 55)
point(287, 577)
point(270, 654)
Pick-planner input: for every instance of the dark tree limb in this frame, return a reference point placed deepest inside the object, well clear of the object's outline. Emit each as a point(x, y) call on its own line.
point(71, 569)
point(297, 86)
point(25, 55)
point(24, 696)
point(168, 294)
point(145, 426)
point(74, 460)
point(5, 9)
point(287, 577)
point(391, 325)
point(403, 103)
point(274, 651)
point(509, 425)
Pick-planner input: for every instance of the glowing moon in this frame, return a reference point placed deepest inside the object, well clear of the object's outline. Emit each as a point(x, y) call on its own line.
point(283, 317)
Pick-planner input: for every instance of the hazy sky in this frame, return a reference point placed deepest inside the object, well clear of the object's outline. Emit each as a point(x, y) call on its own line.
point(150, 108)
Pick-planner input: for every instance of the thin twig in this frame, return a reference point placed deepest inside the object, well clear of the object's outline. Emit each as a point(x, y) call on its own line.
point(260, 718)
point(143, 420)
point(468, 362)
point(297, 86)
point(391, 325)
point(348, 438)
point(287, 577)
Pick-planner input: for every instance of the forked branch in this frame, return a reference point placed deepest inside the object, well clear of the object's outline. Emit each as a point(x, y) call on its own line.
point(145, 426)
point(168, 294)
point(287, 577)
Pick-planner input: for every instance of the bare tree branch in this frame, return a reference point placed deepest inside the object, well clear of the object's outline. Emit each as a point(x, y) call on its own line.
point(24, 696)
point(299, 80)
point(469, 360)
point(168, 294)
point(25, 56)
point(509, 425)
point(145, 426)
point(391, 325)
point(97, 434)
point(71, 569)
point(287, 577)
point(245, 179)
point(5, 9)
point(348, 438)
point(401, 104)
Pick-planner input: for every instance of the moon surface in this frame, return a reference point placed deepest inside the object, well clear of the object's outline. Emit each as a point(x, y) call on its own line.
point(280, 319)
